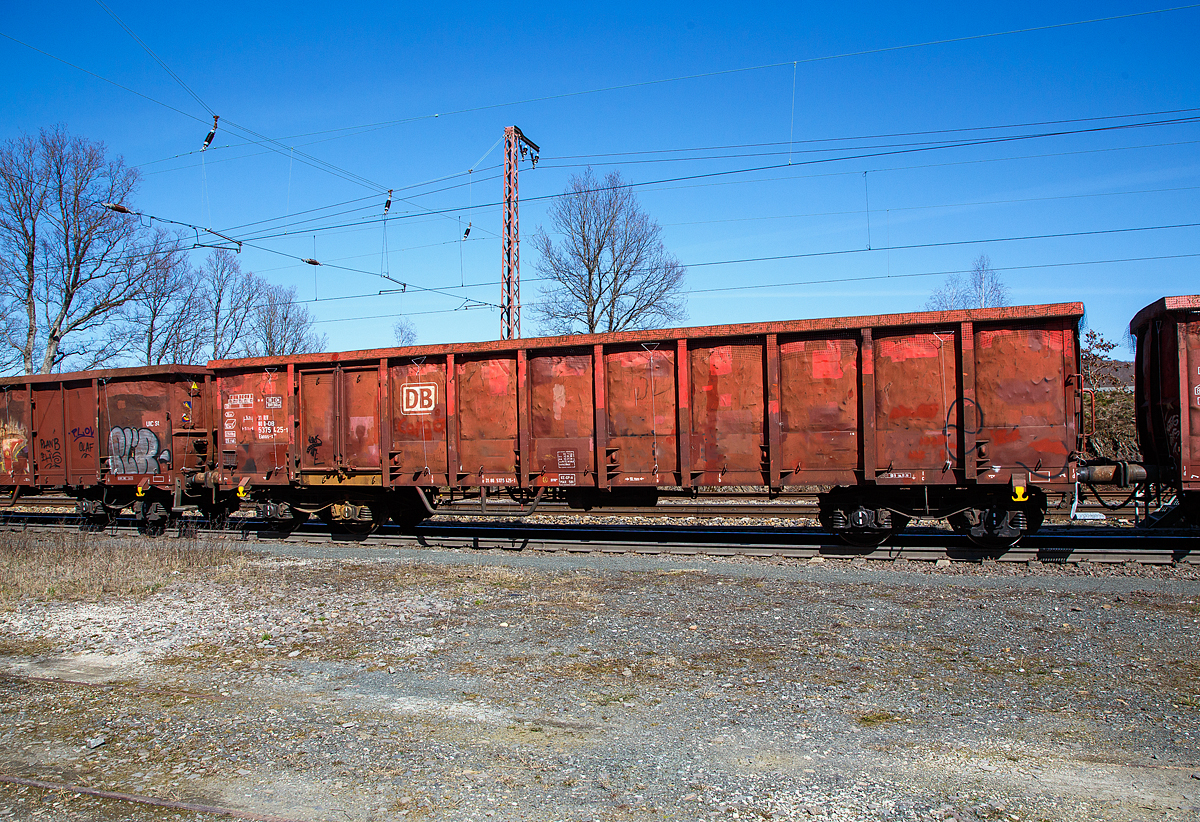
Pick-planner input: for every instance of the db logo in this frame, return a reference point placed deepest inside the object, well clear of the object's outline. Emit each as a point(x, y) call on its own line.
point(418, 398)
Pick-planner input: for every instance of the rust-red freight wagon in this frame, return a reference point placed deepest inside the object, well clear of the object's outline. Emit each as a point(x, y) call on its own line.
point(1167, 393)
point(110, 438)
point(971, 415)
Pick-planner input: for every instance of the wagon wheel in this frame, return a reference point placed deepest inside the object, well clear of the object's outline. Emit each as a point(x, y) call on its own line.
point(1034, 511)
point(356, 528)
point(290, 525)
point(993, 544)
point(873, 539)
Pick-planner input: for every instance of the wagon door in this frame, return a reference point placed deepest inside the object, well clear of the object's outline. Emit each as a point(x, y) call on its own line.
point(562, 418)
point(818, 414)
point(360, 426)
point(135, 430)
point(49, 458)
point(319, 420)
point(641, 416)
point(1021, 381)
point(14, 436)
point(339, 413)
point(418, 409)
point(256, 424)
point(728, 440)
point(487, 408)
point(80, 446)
point(1190, 334)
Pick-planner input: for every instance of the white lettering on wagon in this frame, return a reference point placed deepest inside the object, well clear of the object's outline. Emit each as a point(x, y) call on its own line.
point(418, 398)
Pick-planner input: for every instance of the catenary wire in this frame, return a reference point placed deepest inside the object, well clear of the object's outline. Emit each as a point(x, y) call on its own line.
point(828, 281)
point(742, 69)
point(730, 172)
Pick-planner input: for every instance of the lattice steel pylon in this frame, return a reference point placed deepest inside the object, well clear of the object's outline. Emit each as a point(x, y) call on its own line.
point(510, 264)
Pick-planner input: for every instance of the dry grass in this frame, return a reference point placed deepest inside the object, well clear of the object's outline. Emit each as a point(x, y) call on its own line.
point(81, 566)
point(876, 718)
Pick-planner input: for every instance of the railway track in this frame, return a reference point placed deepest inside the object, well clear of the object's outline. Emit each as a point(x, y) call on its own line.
point(1054, 544)
point(796, 504)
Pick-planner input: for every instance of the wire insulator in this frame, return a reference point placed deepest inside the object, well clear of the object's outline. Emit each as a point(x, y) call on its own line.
point(211, 134)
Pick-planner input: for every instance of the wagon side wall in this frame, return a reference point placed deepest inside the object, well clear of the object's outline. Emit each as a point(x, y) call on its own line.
point(1167, 388)
point(117, 427)
point(936, 398)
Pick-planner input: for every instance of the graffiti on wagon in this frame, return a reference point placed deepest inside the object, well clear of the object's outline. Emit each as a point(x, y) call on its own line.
point(12, 444)
point(136, 451)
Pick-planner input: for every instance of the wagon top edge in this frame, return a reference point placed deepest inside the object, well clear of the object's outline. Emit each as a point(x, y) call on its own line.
point(824, 324)
point(1162, 307)
point(187, 371)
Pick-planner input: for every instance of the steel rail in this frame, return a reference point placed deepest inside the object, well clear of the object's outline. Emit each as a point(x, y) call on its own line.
point(1053, 544)
point(791, 505)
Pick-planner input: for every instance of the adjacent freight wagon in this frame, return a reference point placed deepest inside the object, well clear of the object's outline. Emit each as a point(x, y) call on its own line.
point(970, 415)
point(115, 439)
point(1167, 393)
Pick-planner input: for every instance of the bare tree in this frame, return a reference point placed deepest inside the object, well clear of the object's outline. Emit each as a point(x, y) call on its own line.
point(218, 312)
point(68, 263)
point(281, 326)
point(1115, 435)
point(404, 332)
point(612, 271)
point(231, 298)
point(165, 320)
point(982, 287)
point(25, 196)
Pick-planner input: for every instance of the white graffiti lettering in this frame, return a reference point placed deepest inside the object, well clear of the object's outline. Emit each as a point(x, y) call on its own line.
point(136, 451)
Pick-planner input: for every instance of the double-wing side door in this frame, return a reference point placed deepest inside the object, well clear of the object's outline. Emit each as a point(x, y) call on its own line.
point(339, 420)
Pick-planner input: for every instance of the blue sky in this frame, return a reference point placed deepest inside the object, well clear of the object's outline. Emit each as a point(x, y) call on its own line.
point(349, 93)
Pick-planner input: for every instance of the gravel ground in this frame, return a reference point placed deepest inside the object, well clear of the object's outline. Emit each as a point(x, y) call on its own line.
point(353, 683)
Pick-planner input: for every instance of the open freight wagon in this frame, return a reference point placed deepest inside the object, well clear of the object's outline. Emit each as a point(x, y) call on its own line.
point(1167, 394)
point(971, 415)
point(112, 439)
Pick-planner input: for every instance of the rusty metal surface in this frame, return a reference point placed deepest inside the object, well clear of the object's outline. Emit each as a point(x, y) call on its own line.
point(48, 435)
point(257, 424)
point(728, 412)
point(115, 426)
point(823, 324)
point(818, 415)
point(318, 421)
point(360, 427)
point(418, 398)
point(898, 410)
point(81, 450)
point(1190, 433)
point(641, 417)
point(561, 418)
point(487, 420)
point(895, 399)
point(136, 425)
point(181, 371)
point(1024, 395)
point(1166, 381)
point(916, 398)
point(1162, 307)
